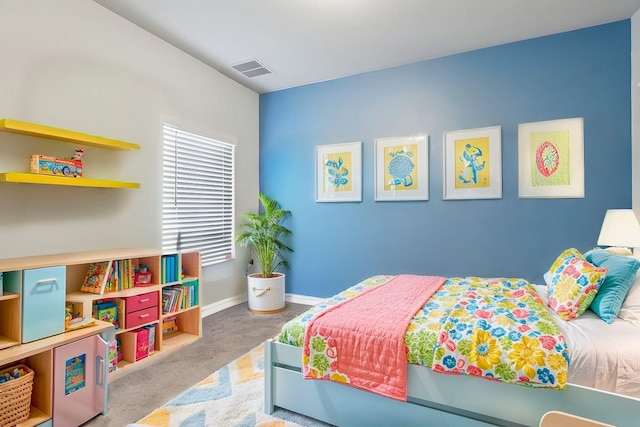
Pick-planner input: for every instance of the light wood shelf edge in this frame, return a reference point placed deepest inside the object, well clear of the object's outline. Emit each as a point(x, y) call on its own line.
point(73, 258)
point(13, 354)
point(36, 417)
point(7, 342)
point(8, 296)
point(178, 339)
point(32, 178)
point(64, 135)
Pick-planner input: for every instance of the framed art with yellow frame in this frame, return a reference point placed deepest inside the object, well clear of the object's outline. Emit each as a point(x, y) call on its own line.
point(473, 164)
point(339, 172)
point(551, 159)
point(401, 168)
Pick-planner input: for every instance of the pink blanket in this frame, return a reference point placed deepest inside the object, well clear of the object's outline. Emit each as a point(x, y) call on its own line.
point(361, 341)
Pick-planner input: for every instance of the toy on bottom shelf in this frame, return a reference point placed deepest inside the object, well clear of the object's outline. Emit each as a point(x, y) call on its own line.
point(142, 343)
point(113, 355)
point(152, 338)
point(51, 165)
point(12, 375)
point(118, 350)
point(170, 324)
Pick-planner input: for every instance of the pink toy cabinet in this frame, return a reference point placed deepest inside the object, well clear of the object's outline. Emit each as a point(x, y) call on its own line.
point(80, 381)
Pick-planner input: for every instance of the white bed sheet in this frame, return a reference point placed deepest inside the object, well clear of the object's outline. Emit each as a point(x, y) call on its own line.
point(603, 356)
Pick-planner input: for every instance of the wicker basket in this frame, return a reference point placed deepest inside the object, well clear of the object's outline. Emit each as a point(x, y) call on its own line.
point(15, 397)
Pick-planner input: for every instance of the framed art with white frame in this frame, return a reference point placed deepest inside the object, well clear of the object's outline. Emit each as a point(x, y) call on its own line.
point(473, 164)
point(401, 168)
point(551, 159)
point(339, 172)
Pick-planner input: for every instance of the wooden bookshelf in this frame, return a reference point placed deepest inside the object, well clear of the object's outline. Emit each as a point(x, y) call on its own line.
point(38, 354)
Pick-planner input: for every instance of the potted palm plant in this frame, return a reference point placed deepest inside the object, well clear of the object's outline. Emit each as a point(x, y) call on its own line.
point(263, 233)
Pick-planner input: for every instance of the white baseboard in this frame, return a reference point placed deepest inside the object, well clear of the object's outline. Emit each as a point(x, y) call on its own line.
point(303, 299)
point(223, 304)
point(240, 299)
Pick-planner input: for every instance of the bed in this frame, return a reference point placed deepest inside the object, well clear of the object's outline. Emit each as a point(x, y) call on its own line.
point(602, 382)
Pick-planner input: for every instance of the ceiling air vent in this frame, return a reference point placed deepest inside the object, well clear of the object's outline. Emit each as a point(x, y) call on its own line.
point(252, 68)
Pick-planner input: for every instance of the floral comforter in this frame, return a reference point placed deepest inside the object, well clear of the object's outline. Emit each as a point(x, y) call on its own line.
point(497, 329)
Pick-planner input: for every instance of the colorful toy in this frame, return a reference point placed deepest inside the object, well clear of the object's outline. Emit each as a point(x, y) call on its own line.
point(13, 375)
point(169, 325)
point(107, 311)
point(50, 165)
point(78, 154)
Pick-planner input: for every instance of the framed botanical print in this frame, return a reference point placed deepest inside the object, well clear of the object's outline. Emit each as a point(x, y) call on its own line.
point(551, 159)
point(402, 168)
point(339, 172)
point(473, 164)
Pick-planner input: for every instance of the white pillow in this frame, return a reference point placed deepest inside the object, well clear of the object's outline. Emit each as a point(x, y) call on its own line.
point(630, 310)
point(547, 279)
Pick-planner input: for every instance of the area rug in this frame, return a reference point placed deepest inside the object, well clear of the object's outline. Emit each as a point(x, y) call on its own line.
point(231, 396)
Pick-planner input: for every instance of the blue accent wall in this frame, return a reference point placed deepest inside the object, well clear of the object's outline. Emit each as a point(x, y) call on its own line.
point(584, 73)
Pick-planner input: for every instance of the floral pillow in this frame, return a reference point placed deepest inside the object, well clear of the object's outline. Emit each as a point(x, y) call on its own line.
point(573, 283)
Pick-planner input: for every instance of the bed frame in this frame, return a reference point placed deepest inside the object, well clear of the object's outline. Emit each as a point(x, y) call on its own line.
point(434, 399)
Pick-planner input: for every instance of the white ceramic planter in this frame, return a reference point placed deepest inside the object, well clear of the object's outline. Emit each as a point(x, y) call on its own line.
point(266, 296)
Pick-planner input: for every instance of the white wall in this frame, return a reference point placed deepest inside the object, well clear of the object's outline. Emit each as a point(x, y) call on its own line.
point(74, 64)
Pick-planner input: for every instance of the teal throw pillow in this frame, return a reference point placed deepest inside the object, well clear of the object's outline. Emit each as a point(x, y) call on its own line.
point(614, 289)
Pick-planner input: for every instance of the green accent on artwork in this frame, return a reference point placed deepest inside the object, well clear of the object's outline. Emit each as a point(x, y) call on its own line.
point(550, 152)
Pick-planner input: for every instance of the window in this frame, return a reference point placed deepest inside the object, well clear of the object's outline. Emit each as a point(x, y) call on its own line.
point(197, 195)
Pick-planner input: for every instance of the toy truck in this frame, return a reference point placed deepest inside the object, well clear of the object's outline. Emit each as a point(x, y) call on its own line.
point(50, 165)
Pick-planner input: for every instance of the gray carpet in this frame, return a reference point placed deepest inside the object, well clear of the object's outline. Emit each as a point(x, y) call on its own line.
point(226, 335)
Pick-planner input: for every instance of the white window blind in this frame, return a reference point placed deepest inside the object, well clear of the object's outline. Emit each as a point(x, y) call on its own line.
point(198, 195)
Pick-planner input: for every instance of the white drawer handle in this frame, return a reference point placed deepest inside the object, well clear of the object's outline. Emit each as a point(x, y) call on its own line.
point(142, 316)
point(144, 300)
point(45, 286)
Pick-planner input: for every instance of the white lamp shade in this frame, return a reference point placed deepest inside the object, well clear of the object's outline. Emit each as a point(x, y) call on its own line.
point(620, 228)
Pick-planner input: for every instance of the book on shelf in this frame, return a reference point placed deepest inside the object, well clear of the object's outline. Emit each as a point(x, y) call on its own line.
point(170, 299)
point(179, 297)
point(152, 338)
point(97, 276)
point(80, 322)
point(120, 303)
point(191, 292)
point(121, 275)
point(170, 266)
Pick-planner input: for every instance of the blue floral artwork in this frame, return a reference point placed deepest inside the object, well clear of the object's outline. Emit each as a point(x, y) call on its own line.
point(337, 173)
point(400, 168)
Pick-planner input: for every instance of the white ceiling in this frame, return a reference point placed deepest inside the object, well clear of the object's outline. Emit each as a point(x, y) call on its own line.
point(307, 41)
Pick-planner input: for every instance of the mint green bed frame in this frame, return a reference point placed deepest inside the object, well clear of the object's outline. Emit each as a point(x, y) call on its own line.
point(434, 399)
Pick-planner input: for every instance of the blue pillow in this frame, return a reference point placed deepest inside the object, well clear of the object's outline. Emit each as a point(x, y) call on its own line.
point(614, 289)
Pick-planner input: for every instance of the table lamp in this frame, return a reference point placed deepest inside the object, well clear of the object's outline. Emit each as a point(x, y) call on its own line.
point(620, 228)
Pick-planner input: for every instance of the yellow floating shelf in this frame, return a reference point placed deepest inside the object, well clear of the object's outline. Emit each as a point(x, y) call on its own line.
point(31, 178)
point(32, 129)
